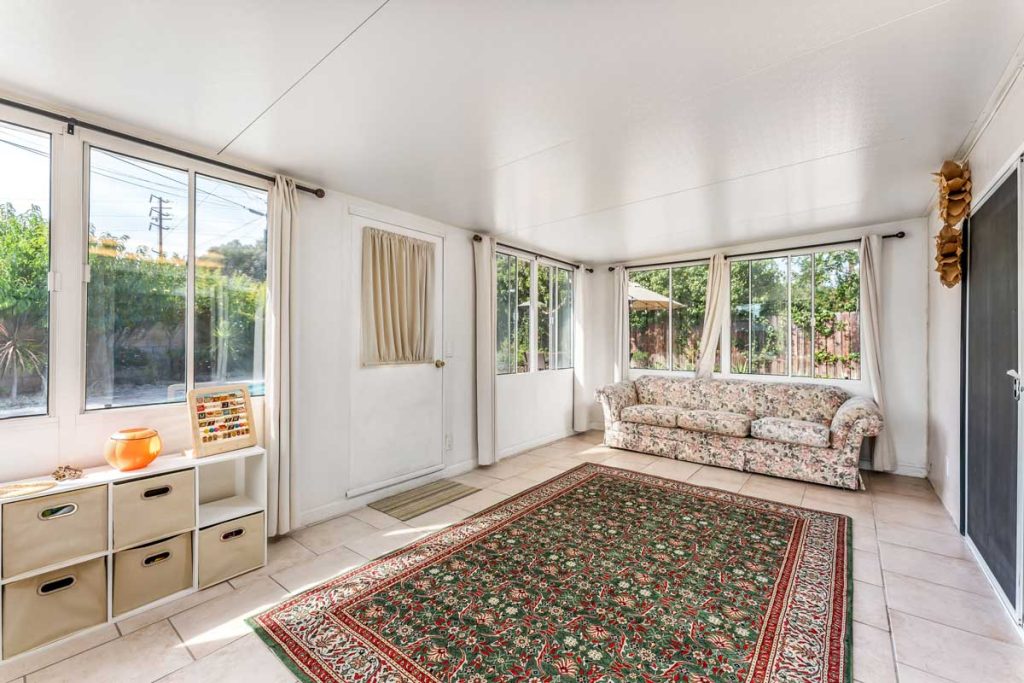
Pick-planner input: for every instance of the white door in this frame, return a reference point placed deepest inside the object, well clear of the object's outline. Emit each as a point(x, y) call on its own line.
point(397, 410)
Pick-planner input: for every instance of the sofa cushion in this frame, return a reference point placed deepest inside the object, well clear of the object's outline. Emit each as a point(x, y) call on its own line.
point(734, 396)
point(714, 422)
point(785, 430)
point(659, 416)
point(810, 402)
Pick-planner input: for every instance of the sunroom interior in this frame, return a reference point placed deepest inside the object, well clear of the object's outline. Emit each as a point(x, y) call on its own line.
point(452, 341)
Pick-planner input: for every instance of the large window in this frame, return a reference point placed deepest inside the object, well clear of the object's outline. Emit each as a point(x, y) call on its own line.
point(530, 290)
point(554, 317)
point(137, 317)
point(797, 315)
point(666, 317)
point(24, 268)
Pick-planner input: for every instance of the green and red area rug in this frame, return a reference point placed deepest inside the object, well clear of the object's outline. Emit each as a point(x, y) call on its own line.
point(600, 574)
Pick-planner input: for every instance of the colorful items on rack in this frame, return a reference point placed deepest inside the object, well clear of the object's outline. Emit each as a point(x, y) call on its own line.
point(221, 419)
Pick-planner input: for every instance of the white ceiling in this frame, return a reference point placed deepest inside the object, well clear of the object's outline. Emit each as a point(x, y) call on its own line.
point(598, 129)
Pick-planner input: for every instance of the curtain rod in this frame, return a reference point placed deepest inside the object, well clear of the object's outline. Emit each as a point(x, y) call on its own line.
point(477, 238)
point(896, 235)
point(72, 123)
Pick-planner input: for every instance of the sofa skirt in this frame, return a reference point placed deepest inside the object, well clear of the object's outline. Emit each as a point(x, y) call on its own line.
point(804, 463)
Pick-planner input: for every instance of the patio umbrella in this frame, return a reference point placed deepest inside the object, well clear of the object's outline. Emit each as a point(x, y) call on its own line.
point(643, 299)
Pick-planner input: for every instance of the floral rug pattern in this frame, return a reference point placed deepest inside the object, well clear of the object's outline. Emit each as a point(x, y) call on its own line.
point(600, 574)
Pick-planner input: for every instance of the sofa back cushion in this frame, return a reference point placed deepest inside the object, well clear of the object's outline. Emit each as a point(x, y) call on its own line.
point(809, 402)
point(731, 396)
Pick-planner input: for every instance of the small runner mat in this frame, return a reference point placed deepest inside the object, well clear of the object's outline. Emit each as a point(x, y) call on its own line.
point(409, 504)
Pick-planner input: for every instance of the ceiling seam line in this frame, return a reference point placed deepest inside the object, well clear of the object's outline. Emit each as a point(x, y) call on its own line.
point(303, 76)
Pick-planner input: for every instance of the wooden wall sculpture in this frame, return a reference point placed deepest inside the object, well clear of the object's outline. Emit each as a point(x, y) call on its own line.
point(954, 203)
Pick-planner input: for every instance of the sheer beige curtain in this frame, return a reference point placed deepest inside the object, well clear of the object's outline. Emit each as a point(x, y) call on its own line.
point(282, 221)
point(871, 337)
point(398, 293)
point(714, 314)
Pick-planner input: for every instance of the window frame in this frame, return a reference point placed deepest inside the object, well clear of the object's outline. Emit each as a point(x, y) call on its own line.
point(90, 140)
point(670, 334)
point(725, 336)
point(54, 130)
point(533, 347)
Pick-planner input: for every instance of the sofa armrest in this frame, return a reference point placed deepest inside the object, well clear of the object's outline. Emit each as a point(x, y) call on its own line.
point(858, 417)
point(615, 397)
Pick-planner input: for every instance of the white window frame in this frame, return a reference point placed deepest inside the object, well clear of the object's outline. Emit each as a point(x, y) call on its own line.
point(670, 337)
point(725, 338)
point(535, 262)
point(55, 130)
point(92, 139)
point(67, 433)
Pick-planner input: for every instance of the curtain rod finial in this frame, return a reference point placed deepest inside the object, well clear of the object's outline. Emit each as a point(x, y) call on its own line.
point(478, 238)
point(319, 193)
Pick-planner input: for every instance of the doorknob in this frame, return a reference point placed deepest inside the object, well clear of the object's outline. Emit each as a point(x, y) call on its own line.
point(1016, 383)
point(438, 363)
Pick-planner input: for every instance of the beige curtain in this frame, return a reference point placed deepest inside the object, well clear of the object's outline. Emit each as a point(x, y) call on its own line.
point(282, 221)
point(620, 314)
point(714, 313)
point(884, 456)
point(486, 346)
point(397, 294)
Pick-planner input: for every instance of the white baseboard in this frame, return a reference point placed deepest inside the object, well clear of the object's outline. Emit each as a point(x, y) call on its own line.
point(912, 471)
point(343, 506)
point(524, 446)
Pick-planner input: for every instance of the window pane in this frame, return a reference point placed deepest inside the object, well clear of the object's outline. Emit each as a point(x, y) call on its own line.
point(563, 318)
point(648, 319)
point(231, 283)
point(802, 336)
point(689, 288)
point(506, 313)
point(739, 335)
point(523, 315)
point(769, 309)
point(24, 264)
point(836, 314)
point(135, 317)
point(545, 320)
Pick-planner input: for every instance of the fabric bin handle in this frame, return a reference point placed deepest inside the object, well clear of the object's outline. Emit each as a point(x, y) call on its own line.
point(57, 585)
point(233, 534)
point(57, 511)
point(157, 492)
point(156, 558)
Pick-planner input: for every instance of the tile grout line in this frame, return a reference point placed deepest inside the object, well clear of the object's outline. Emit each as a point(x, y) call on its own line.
point(1019, 645)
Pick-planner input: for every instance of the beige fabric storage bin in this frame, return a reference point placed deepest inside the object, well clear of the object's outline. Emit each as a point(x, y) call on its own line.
point(54, 528)
point(153, 507)
point(145, 574)
point(45, 608)
point(230, 549)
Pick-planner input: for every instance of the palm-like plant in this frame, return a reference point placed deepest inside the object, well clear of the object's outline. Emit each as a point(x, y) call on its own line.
point(21, 352)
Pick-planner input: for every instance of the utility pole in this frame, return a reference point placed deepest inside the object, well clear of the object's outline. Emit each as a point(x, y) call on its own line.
point(157, 216)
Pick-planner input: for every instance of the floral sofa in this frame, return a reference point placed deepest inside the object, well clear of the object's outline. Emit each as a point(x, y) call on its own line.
point(811, 432)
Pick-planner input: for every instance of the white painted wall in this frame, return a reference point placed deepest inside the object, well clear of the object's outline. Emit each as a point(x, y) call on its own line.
point(326, 299)
point(997, 147)
point(532, 409)
point(904, 336)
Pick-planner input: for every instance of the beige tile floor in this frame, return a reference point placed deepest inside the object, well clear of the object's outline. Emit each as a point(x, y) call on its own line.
point(923, 611)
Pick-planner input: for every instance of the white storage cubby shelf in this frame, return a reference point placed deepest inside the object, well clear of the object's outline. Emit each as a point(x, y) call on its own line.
point(160, 533)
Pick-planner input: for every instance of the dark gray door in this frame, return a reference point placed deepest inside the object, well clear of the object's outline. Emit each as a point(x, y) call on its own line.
point(991, 467)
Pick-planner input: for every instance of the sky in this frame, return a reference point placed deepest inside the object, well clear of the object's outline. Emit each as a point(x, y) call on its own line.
point(124, 193)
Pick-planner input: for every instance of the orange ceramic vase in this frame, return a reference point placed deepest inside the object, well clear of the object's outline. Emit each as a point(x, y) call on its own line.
point(132, 448)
